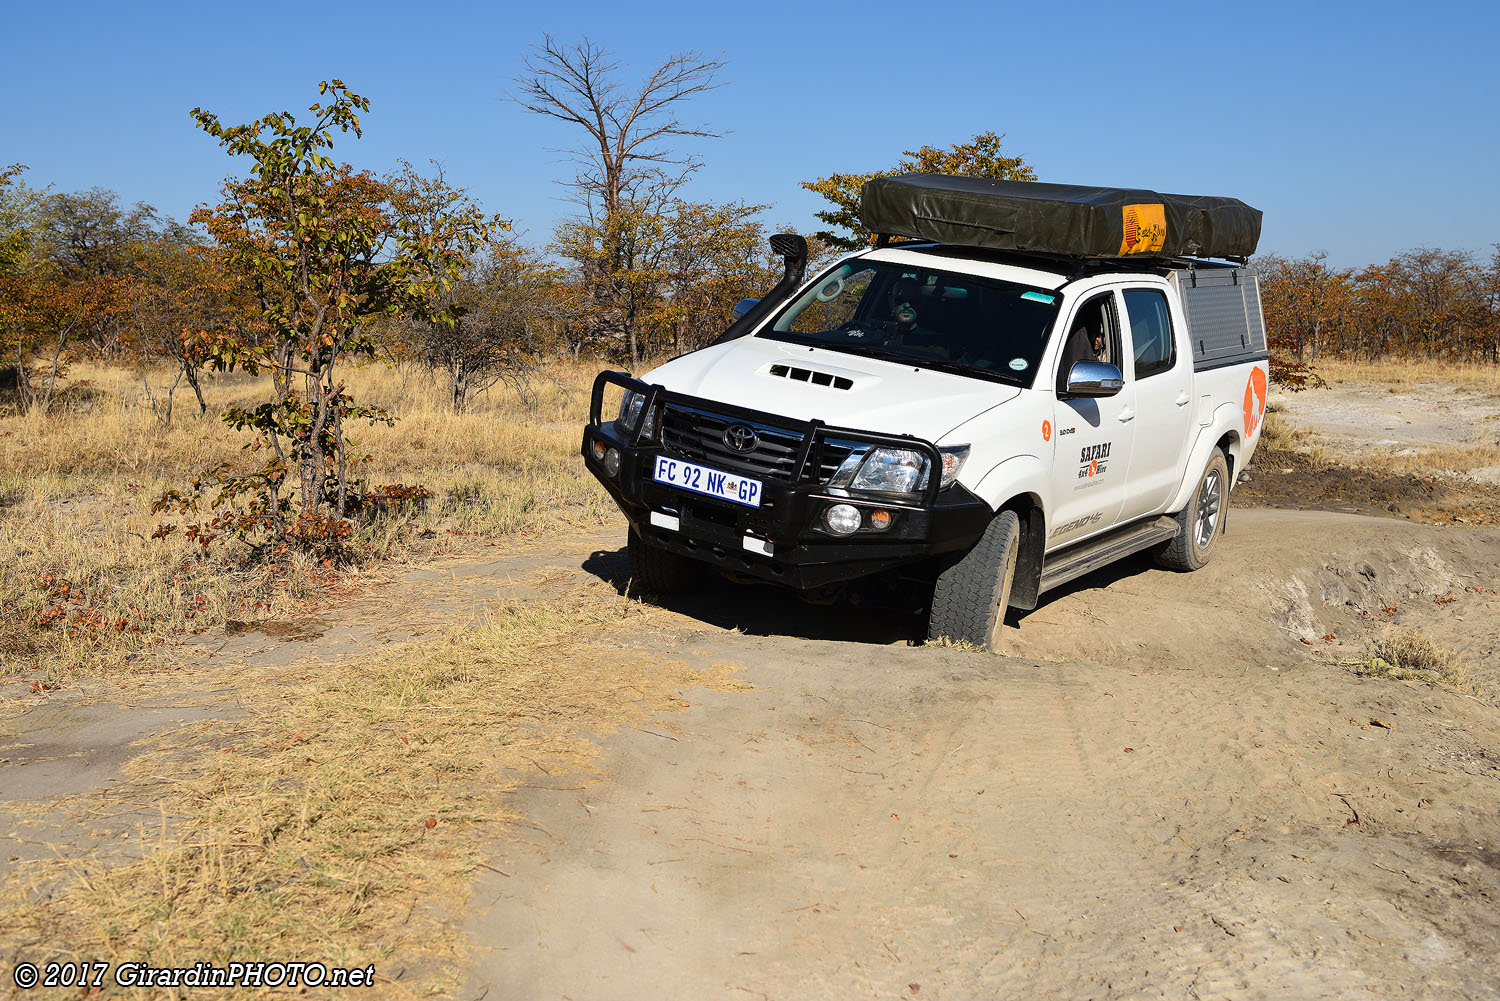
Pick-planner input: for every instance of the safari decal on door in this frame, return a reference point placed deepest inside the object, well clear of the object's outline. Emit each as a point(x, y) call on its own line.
point(1093, 459)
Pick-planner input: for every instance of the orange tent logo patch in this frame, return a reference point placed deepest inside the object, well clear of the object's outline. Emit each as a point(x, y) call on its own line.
point(1255, 400)
point(1145, 228)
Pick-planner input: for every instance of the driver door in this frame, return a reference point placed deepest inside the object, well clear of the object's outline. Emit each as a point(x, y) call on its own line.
point(1093, 435)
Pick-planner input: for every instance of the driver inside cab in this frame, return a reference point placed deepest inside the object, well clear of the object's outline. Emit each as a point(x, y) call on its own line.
point(906, 330)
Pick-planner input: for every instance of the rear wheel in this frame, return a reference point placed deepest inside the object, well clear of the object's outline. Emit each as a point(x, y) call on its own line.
point(972, 594)
point(1201, 522)
point(654, 570)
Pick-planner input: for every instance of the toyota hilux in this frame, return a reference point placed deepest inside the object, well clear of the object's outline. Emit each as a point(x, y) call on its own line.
point(1016, 384)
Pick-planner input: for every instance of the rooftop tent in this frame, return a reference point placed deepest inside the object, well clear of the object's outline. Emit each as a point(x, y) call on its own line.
point(1068, 219)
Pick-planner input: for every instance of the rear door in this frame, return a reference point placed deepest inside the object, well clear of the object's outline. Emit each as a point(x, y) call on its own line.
point(1161, 370)
point(1093, 434)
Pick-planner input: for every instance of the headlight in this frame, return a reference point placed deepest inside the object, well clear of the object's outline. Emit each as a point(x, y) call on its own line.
point(630, 413)
point(891, 470)
point(842, 519)
point(896, 470)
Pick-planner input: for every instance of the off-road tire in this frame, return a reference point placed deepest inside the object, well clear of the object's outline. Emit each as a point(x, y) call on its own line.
point(1201, 522)
point(654, 570)
point(973, 593)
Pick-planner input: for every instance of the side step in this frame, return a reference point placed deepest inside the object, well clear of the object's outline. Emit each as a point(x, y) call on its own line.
point(1069, 564)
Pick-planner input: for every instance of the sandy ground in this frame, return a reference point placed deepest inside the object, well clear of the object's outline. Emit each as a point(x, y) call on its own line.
point(1357, 420)
point(1161, 791)
point(1169, 785)
point(1364, 418)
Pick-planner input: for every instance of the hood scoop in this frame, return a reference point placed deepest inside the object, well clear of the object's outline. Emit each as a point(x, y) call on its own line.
point(799, 374)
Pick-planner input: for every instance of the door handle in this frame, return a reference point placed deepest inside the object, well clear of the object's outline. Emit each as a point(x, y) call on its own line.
point(1126, 415)
point(1182, 398)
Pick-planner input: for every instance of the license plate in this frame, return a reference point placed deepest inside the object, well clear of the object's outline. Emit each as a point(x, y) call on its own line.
point(701, 479)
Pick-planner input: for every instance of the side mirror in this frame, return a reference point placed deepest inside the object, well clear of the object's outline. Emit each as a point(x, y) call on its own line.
point(744, 306)
point(1092, 378)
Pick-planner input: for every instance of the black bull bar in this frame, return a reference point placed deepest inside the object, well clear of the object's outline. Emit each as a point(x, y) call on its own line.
point(805, 555)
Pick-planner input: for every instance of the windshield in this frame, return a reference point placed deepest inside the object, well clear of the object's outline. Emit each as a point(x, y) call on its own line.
point(980, 327)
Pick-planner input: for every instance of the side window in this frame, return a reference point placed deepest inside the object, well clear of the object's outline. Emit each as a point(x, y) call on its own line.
point(1151, 331)
point(1093, 335)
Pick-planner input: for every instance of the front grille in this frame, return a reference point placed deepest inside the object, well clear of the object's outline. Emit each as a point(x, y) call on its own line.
point(698, 436)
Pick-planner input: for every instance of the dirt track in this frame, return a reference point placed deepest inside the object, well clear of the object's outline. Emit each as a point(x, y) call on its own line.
point(1172, 785)
point(1162, 792)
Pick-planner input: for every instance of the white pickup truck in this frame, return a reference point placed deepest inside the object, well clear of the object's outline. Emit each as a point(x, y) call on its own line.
point(1036, 382)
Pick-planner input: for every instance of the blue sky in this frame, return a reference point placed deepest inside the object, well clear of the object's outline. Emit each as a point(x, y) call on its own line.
point(1360, 129)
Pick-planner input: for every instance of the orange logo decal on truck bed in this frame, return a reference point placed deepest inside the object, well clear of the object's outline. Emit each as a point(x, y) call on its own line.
point(1255, 400)
point(1046, 430)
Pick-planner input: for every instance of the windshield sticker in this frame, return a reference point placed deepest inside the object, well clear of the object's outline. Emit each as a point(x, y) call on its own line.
point(1039, 297)
point(1019, 364)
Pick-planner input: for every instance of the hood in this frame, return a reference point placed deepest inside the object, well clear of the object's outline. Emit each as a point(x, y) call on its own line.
point(843, 390)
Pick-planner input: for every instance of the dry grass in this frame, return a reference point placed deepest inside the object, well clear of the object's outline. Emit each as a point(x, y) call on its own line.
point(1403, 373)
point(341, 816)
point(1407, 655)
point(1277, 432)
point(1445, 460)
point(351, 799)
point(83, 585)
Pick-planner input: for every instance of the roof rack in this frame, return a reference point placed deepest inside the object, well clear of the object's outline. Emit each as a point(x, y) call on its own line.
point(1069, 265)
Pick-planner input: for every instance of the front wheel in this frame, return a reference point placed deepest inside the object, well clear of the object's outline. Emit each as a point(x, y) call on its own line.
point(972, 594)
point(1201, 522)
point(654, 570)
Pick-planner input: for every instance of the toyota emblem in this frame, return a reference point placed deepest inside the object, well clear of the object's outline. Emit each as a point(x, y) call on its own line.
point(741, 437)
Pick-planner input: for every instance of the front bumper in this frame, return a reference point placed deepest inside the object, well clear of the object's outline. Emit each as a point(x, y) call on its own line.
point(782, 540)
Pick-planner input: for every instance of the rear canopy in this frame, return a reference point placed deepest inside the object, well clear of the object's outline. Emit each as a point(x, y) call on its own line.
point(1068, 219)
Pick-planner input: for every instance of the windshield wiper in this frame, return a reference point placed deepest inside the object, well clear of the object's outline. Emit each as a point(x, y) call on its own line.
point(884, 354)
point(972, 371)
point(939, 365)
point(861, 350)
point(923, 361)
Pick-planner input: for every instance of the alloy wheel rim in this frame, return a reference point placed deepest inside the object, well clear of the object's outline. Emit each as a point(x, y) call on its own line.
point(1208, 508)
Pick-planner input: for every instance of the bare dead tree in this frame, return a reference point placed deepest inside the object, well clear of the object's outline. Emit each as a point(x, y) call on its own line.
point(626, 131)
point(626, 164)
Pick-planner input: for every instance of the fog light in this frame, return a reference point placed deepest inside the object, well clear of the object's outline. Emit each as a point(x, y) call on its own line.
point(842, 519)
point(881, 519)
point(612, 462)
point(598, 450)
